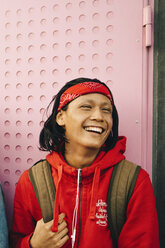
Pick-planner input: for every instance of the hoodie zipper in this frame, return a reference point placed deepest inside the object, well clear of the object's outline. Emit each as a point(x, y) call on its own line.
point(80, 206)
point(77, 207)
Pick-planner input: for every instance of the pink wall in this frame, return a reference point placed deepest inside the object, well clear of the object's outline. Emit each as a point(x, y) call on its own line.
point(46, 43)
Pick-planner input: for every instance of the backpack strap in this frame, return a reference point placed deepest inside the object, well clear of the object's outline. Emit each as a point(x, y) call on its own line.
point(41, 178)
point(120, 190)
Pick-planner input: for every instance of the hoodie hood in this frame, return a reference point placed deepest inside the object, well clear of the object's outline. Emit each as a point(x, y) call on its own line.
point(103, 161)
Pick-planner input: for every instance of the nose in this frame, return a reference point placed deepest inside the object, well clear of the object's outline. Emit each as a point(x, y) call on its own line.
point(96, 115)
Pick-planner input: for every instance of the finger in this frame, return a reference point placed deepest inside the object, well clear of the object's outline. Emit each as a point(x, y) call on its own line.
point(63, 233)
point(59, 236)
point(61, 217)
point(49, 224)
point(62, 241)
point(62, 226)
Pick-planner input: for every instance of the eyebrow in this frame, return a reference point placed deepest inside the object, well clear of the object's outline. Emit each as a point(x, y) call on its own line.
point(91, 101)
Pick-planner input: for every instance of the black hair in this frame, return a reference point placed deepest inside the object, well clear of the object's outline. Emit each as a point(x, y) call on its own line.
point(52, 135)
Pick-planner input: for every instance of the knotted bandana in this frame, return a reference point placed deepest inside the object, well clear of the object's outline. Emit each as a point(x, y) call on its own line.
point(82, 89)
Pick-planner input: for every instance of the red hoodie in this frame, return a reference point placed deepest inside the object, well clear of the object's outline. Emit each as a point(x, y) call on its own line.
point(139, 231)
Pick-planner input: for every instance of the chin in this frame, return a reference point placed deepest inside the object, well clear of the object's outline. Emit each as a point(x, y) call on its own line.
point(94, 146)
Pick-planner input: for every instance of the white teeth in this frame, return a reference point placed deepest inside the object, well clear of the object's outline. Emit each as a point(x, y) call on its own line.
point(94, 129)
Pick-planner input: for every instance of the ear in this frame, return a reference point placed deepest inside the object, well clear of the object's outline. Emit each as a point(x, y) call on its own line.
point(60, 118)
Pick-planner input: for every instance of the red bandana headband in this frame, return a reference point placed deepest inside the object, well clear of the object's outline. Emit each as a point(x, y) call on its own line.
point(83, 89)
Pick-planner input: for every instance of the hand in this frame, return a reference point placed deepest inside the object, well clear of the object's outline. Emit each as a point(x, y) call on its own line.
point(44, 237)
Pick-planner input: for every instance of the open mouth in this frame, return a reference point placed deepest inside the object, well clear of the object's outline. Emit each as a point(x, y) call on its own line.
point(98, 130)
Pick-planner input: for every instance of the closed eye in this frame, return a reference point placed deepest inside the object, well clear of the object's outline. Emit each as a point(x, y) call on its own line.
point(107, 110)
point(86, 107)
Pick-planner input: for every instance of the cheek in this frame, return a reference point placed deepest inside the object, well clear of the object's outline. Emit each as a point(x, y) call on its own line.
point(110, 123)
point(72, 126)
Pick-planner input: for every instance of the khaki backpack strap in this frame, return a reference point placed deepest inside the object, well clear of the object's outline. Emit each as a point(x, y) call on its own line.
point(41, 178)
point(120, 190)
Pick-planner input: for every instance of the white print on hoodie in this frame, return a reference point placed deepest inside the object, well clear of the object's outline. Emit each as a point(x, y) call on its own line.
point(101, 213)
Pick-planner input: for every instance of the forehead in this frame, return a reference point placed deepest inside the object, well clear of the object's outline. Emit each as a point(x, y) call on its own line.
point(96, 98)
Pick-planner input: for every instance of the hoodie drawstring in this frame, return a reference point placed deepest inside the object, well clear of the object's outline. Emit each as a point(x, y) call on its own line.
point(56, 204)
point(92, 211)
point(95, 187)
point(75, 212)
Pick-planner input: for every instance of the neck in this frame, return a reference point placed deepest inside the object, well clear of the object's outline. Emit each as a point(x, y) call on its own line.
point(80, 158)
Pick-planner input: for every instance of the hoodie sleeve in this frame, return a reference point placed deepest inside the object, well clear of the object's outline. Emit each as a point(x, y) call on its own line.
point(141, 227)
point(26, 213)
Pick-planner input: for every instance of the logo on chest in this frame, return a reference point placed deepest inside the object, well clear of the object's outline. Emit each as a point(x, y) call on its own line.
point(101, 213)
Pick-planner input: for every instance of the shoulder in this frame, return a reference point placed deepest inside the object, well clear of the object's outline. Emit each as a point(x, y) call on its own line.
point(24, 194)
point(143, 189)
point(24, 182)
point(143, 177)
point(24, 190)
point(24, 177)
